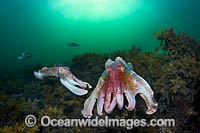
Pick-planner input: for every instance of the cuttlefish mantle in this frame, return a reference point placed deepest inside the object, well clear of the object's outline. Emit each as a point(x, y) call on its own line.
point(67, 79)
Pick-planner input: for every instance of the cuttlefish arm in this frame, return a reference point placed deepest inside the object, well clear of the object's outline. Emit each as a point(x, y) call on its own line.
point(145, 91)
point(90, 102)
point(75, 85)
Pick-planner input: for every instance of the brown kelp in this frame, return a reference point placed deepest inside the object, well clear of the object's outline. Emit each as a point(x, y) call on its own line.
point(182, 71)
point(180, 81)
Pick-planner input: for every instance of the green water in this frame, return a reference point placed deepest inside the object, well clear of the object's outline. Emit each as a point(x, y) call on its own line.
point(45, 27)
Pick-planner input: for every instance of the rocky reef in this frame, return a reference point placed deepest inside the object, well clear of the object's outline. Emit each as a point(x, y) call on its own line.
point(172, 70)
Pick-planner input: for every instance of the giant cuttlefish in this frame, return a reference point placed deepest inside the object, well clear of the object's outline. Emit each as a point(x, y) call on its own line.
point(118, 79)
point(66, 78)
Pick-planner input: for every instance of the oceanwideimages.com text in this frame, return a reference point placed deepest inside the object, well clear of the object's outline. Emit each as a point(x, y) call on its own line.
point(47, 121)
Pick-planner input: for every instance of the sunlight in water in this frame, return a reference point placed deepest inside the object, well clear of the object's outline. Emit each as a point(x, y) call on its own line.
point(95, 9)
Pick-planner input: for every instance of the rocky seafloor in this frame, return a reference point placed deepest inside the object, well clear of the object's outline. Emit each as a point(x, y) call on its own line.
point(172, 70)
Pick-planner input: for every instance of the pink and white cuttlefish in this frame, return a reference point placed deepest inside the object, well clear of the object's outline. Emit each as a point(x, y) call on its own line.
point(118, 79)
point(75, 85)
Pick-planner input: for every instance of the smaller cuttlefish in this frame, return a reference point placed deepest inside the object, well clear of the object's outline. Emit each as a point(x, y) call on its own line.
point(75, 85)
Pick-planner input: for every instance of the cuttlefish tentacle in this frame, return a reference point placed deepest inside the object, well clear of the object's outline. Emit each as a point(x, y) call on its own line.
point(81, 83)
point(110, 98)
point(100, 103)
point(146, 93)
point(131, 100)
point(73, 88)
point(90, 102)
point(120, 91)
point(112, 105)
point(75, 85)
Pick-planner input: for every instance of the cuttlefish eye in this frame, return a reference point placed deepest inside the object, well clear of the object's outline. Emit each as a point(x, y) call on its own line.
point(61, 70)
point(109, 69)
point(122, 68)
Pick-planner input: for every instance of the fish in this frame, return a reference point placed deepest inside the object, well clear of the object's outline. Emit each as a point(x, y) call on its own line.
point(25, 55)
point(72, 44)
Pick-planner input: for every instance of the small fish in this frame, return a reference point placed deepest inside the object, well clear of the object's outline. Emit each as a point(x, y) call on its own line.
point(25, 55)
point(72, 44)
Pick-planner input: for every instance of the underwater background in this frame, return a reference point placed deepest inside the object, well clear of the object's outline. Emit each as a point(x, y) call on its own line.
point(160, 38)
point(46, 27)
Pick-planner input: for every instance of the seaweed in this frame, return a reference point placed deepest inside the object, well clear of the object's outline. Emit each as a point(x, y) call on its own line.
point(19, 128)
point(182, 71)
point(180, 81)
